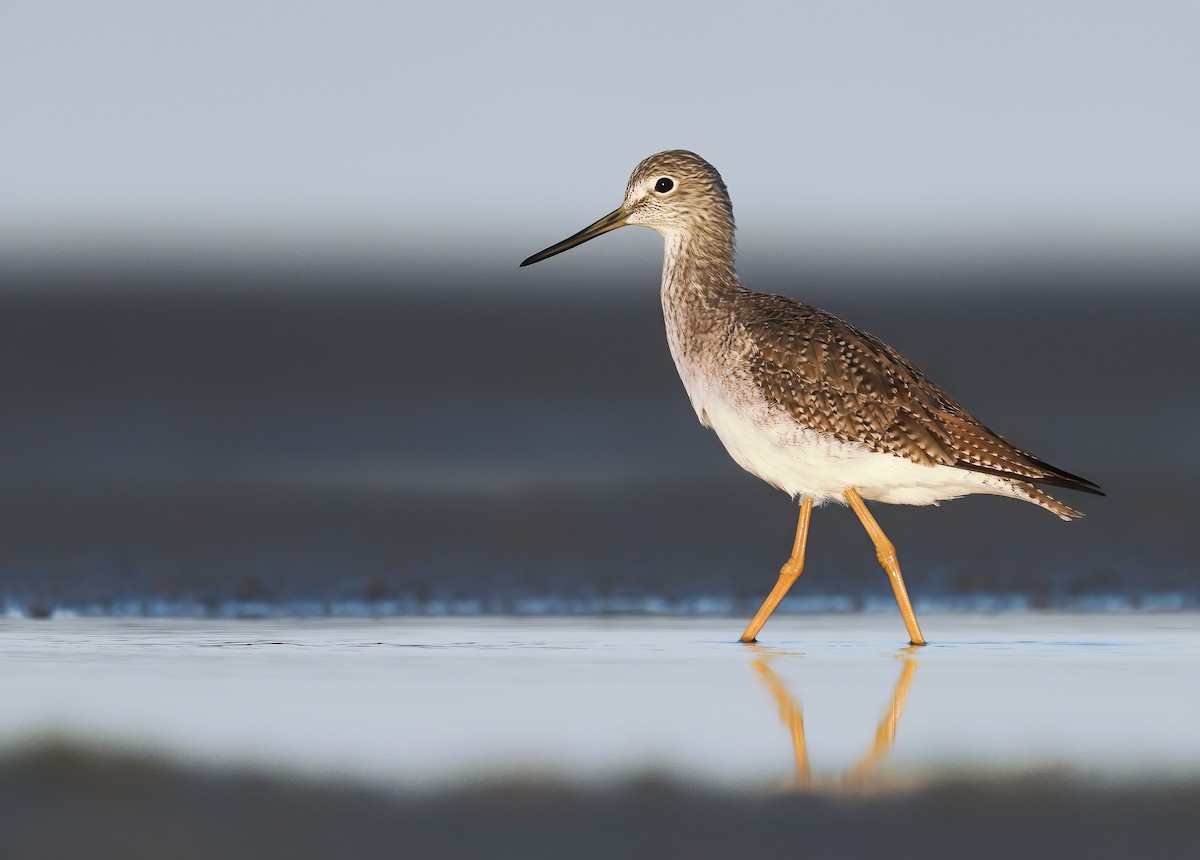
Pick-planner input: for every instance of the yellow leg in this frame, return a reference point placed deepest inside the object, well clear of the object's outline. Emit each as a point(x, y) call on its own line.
point(788, 575)
point(887, 558)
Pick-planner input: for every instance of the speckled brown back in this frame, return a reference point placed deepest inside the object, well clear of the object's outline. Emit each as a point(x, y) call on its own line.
point(835, 378)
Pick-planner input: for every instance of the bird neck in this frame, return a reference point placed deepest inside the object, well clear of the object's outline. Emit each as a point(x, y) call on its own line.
point(698, 265)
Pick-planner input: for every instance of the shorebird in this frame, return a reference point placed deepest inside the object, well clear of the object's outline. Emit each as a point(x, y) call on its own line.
point(802, 399)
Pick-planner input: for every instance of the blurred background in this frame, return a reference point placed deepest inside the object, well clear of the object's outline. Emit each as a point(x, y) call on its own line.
point(264, 348)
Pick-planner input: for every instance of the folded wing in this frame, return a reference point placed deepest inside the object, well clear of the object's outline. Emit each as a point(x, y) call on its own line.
point(838, 379)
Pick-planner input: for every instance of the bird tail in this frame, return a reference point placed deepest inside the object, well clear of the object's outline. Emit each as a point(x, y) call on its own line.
point(1034, 494)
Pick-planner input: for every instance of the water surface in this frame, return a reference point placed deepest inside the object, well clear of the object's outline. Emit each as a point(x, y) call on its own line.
point(824, 701)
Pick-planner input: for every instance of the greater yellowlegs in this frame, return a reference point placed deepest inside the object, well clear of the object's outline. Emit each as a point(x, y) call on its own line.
point(805, 401)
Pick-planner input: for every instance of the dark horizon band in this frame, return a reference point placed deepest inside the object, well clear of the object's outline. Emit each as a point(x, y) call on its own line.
point(611, 221)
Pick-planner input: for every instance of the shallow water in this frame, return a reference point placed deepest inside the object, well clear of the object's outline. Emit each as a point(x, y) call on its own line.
point(416, 703)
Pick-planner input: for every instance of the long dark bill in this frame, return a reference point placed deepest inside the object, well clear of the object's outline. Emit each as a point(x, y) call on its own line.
point(611, 221)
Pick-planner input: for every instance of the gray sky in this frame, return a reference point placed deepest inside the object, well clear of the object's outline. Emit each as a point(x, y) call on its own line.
point(853, 132)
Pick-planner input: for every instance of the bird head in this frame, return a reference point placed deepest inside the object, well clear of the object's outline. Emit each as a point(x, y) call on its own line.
point(674, 192)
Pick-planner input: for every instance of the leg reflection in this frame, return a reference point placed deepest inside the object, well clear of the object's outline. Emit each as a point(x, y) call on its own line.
point(885, 734)
point(792, 714)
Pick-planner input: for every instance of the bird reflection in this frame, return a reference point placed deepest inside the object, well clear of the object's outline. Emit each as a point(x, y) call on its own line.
point(858, 776)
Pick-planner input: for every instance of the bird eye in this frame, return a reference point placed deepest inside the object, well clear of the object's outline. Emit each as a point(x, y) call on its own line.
point(663, 185)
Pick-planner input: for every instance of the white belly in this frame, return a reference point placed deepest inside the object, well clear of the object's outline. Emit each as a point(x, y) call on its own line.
point(804, 462)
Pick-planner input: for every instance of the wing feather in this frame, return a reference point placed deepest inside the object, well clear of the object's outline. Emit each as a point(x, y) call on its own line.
point(837, 379)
